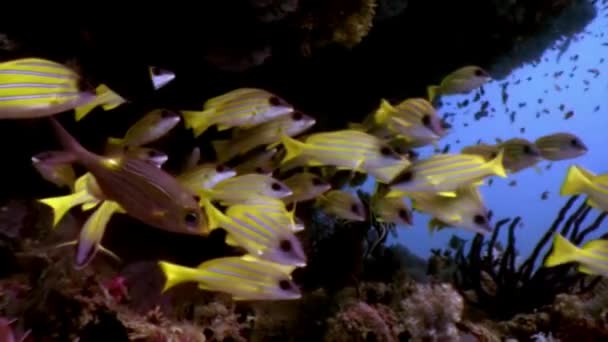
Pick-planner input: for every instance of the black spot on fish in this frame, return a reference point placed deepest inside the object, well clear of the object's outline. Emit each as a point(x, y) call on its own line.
point(406, 176)
point(479, 219)
point(284, 285)
point(285, 245)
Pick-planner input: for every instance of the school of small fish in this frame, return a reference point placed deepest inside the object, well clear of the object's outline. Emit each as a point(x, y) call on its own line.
point(280, 163)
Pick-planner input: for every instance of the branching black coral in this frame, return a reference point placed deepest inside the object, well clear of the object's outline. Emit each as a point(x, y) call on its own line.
point(502, 288)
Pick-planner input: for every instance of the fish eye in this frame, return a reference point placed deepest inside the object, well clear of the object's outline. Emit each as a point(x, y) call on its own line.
point(385, 151)
point(479, 220)
point(405, 177)
point(403, 214)
point(284, 285)
point(153, 153)
point(220, 168)
point(354, 208)
point(426, 120)
point(191, 218)
point(285, 246)
point(316, 181)
point(197, 198)
point(274, 101)
point(480, 73)
point(165, 114)
point(276, 186)
point(574, 142)
point(156, 71)
point(494, 155)
point(259, 170)
point(296, 116)
point(527, 149)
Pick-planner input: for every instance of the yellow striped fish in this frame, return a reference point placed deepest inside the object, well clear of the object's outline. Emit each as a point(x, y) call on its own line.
point(205, 176)
point(391, 210)
point(466, 210)
point(519, 154)
point(444, 173)
point(244, 278)
point(343, 205)
point(34, 87)
point(414, 119)
point(460, 81)
point(245, 107)
point(305, 186)
point(347, 149)
point(560, 146)
point(592, 257)
point(270, 132)
point(245, 189)
point(263, 163)
point(582, 181)
point(151, 127)
point(261, 230)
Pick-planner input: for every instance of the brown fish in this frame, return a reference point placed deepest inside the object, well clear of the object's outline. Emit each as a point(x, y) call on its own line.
point(143, 190)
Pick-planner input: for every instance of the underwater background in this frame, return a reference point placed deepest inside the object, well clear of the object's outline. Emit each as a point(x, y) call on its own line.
point(334, 61)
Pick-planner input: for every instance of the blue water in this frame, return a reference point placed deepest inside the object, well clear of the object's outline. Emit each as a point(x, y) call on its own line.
point(590, 125)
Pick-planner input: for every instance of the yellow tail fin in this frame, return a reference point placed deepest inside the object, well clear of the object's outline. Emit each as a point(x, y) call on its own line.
point(563, 252)
point(576, 181)
point(215, 217)
point(176, 274)
point(82, 111)
point(199, 121)
point(432, 92)
point(293, 148)
point(384, 111)
point(62, 204)
point(496, 164)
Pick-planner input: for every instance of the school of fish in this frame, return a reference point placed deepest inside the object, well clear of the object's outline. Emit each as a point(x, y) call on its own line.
point(280, 162)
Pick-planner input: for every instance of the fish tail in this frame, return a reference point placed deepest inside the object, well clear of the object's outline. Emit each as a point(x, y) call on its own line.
point(69, 143)
point(576, 181)
point(199, 121)
point(432, 92)
point(223, 149)
point(563, 252)
point(214, 216)
point(176, 274)
point(89, 241)
point(496, 164)
point(82, 111)
point(383, 112)
point(293, 148)
point(60, 205)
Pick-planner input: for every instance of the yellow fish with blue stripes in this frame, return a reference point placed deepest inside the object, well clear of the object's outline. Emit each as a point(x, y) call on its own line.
point(35, 87)
point(592, 257)
point(244, 278)
point(244, 107)
point(347, 149)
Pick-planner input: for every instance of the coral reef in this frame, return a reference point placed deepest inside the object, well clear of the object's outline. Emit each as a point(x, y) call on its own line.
point(432, 312)
point(503, 288)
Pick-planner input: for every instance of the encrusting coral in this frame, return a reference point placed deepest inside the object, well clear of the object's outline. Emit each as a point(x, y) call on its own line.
point(432, 311)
